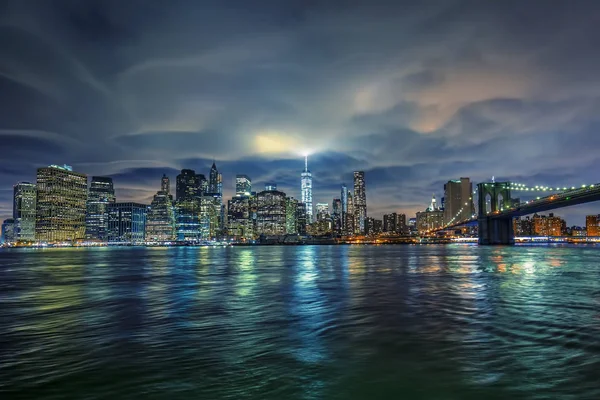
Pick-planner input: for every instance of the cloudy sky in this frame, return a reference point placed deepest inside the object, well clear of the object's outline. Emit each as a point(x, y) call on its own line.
point(413, 93)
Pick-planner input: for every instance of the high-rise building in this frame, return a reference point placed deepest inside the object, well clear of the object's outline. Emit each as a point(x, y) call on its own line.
point(350, 229)
point(336, 216)
point(243, 185)
point(344, 200)
point(213, 179)
point(271, 213)
point(127, 223)
point(390, 223)
point(291, 223)
point(165, 184)
point(239, 221)
point(458, 200)
point(360, 202)
point(7, 233)
point(548, 225)
point(61, 204)
point(202, 184)
point(431, 218)
point(160, 220)
point(211, 216)
point(322, 211)
point(402, 228)
point(24, 199)
point(306, 190)
point(592, 225)
point(187, 185)
point(100, 195)
point(301, 219)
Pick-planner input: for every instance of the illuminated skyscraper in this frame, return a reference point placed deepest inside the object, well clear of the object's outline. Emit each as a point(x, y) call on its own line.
point(271, 212)
point(458, 202)
point(100, 195)
point(127, 223)
point(160, 220)
point(322, 211)
point(187, 185)
point(25, 195)
point(344, 215)
point(360, 202)
point(243, 185)
point(306, 190)
point(61, 204)
point(213, 179)
point(350, 216)
point(336, 215)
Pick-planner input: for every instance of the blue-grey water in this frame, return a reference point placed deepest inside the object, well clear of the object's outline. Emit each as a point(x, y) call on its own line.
point(310, 322)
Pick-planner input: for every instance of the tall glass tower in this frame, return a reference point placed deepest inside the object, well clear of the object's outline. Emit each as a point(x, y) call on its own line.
point(306, 189)
point(360, 202)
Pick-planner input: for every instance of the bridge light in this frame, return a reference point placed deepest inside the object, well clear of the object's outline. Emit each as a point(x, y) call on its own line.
point(572, 187)
point(582, 186)
point(564, 188)
point(591, 186)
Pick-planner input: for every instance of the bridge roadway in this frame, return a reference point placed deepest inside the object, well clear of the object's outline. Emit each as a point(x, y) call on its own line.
point(566, 198)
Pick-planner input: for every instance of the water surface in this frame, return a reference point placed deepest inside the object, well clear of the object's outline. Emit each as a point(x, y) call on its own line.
point(311, 322)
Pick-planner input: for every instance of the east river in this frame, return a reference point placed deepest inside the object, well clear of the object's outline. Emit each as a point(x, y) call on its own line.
point(305, 322)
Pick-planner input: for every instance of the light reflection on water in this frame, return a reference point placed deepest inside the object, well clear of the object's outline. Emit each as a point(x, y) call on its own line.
point(322, 322)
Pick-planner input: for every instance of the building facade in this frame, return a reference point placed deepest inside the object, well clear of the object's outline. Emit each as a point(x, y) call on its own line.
point(291, 220)
point(306, 191)
point(336, 216)
point(187, 185)
point(592, 226)
point(430, 219)
point(243, 185)
point(239, 219)
point(7, 232)
point(127, 223)
point(548, 225)
point(458, 200)
point(271, 213)
point(360, 202)
point(61, 204)
point(350, 228)
point(24, 204)
point(160, 220)
point(101, 195)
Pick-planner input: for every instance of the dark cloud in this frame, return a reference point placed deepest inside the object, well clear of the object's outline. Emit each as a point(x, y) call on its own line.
point(414, 93)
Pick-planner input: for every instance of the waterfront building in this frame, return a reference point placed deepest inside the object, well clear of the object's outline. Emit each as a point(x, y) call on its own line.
point(390, 223)
point(360, 202)
point(24, 204)
point(377, 226)
point(431, 218)
point(291, 211)
point(271, 213)
point(239, 221)
point(402, 229)
point(160, 220)
point(301, 218)
point(243, 185)
point(306, 191)
point(127, 223)
point(7, 233)
point(458, 200)
point(350, 229)
point(211, 216)
point(548, 225)
point(101, 195)
point(344, 215)
point(523, 226)
point(61, 204)
point(336, 216)
point(592, 225)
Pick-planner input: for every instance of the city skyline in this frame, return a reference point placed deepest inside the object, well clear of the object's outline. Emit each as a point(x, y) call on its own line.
point(414, 95)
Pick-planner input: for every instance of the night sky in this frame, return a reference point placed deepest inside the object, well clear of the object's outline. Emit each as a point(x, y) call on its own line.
point(413, 93)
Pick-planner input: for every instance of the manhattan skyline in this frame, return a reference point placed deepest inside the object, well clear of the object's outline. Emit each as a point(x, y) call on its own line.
point(414, 95)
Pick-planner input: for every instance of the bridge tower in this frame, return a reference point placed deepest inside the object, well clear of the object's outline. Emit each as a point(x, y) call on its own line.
point(493, 228)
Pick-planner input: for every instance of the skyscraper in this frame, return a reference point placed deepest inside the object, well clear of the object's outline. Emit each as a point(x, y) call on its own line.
point(243, 185)
point(344, 199)
point(24, 199)
point(306, 190)
point(7, 235)
point(350, 229)
point(165, 184)
point(322, 211)
point(458, 202)
point(336, 215)
point(160, 221)
point(271, 212)
point(360, 202)
point(127, 223)
point(61, 204)
point(100, 195)
point(213, 179)
point(187, 185)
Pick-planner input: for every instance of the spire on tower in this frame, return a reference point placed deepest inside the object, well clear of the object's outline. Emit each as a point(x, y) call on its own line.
point(306, 163)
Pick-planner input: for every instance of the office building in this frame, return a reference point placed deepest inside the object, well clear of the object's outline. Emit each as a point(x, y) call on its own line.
point(301, 218)
point(390, 223)
point(271, 212)
point(187, 185)
point(458, 201)
point(127, 223)
point(213, 179)
point(336, 216)
point(350, 229)
point(344, 215)
point(160, 220)
point(211, 216)
point(24, 204)
point(592, 226)
point(431, 218)
point(306, 191)
point(239, 221)
point(360, 202)
point(7, 233)
point(243, 185)
point(100, 195)
point(202, 184)
point(61, 204)
point(322, 211)
point(291, 220)
point(402, 229)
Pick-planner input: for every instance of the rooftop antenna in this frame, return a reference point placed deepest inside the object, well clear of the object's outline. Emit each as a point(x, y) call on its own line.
point(306, 162)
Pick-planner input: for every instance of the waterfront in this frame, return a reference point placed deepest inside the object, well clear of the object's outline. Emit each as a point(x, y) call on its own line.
point(301, 322)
